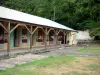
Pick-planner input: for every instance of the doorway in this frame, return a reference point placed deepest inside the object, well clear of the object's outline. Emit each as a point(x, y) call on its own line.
point(16, 38)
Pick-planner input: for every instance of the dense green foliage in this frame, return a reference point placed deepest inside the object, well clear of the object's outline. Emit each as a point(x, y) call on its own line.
point(77, 14)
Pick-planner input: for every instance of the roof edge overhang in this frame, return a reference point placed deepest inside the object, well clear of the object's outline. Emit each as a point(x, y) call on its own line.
point(9, 11)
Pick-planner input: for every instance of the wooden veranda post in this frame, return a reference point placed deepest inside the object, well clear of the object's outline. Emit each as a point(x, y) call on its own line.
point(31, 39)
point(56, 38)
point(46, 38)
point(8, 49)
point(64, 38)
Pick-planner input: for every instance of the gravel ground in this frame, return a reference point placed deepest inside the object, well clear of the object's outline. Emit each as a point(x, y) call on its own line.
point(69, 51)
point(20, 59)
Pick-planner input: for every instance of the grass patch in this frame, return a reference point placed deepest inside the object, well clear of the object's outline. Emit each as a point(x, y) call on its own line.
point(76, 73)
point(51, 61)
point(94, 67)
point(90, 49)
point(81, 50)
point(57, 65)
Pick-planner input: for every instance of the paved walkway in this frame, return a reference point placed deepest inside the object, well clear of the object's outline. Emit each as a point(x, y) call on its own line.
point(20, 59)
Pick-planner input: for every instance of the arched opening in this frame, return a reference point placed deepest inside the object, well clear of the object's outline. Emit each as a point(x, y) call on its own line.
point(97, 38)
point(25, 37)
point(38, 37)
point(51, 37)
point(61, 38)
point(19, 36)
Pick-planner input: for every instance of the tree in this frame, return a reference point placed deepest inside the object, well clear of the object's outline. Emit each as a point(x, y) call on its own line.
point(77, 14)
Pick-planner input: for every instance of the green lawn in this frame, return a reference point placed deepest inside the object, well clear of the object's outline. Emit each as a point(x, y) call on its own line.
point(57, 65)
point(90, 49)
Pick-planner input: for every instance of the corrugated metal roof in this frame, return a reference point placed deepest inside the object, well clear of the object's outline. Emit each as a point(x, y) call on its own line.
point(11, 14)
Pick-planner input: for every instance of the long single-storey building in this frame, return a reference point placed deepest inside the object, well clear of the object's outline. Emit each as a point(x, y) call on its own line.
point(21, 30)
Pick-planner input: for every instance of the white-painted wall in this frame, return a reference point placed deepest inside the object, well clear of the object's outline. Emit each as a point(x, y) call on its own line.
point(73, 38)
point(83, 35)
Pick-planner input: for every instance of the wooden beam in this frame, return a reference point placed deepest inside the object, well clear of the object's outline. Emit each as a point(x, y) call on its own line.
point(45, 38)
point(50, 30)
point(20, 25)
point(28, 29)
point(31, 38)
point(56, 37)
point(34, 30)
point(64, 38)
point(58, 32)
point(43, 30)
point(8, 48)
point(18, 36)
point(3, 27)
point(65, 32)
point(14, 28)
point(54, 30)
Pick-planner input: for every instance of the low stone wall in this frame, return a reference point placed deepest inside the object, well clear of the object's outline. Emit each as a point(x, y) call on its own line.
point(87, 42)
point(35, 50)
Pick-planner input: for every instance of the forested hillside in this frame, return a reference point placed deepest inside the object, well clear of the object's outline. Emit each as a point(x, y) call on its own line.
point(77, 14)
